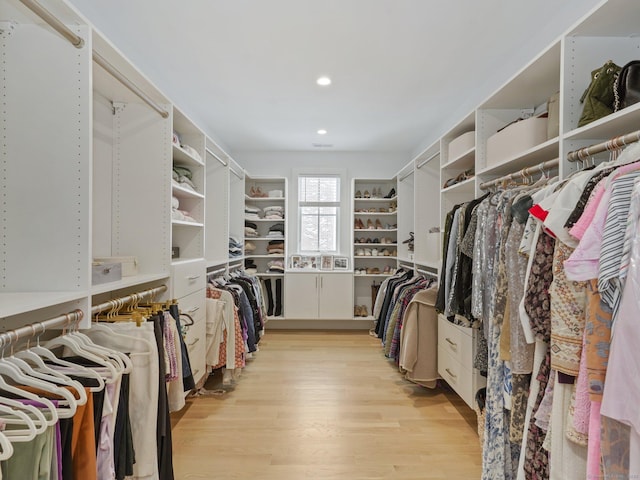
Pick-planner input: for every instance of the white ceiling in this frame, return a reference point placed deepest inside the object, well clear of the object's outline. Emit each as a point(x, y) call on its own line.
point(403, 70)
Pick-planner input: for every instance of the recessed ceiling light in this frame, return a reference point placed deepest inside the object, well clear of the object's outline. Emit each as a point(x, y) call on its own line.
point(322, 131)
point(323, 81)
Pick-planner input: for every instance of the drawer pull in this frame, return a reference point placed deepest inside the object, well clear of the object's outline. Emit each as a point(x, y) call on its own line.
point(450, 373)
point(197, 371)
point(192, 278)
point(193, 310)
point(194, 342)
point(453, 344)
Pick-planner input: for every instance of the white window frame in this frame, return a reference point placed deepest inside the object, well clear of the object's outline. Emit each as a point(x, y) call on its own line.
point(337, 204)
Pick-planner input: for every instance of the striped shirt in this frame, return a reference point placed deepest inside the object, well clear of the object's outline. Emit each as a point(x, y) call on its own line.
point(613, 239)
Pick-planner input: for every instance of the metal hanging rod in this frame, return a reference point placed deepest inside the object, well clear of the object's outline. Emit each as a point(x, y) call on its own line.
point(521, 173)
point(129, 84)
point(240, 176)
point(54, 23)
point(610, 145)
point(128, 299)
point(210, 152)
point(30, 330)
point(424, 162)
point(218, 271)
point(427, 272)
point(406, 175)
point(237, 265)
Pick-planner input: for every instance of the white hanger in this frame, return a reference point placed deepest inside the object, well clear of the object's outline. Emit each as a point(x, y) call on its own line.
point(66, 408)
point(71, 343)
point(7, 447)
point(36, 353)
point(45, 402)
point(101, 329)
point(14, 416)
point(21, 360)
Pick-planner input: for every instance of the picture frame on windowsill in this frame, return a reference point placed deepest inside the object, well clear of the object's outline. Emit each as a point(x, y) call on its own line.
point(341, 263)
point(326, 262)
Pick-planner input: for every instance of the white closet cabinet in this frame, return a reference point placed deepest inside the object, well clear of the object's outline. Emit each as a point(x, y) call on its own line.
point(131, 173)
point(45, 176)
point(318, 296)
point(375, 245)
point(217, 208)
point(427, 208)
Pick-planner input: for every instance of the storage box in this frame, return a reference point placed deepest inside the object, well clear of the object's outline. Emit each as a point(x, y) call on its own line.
point(461, 144)
point(102, 272)
point(129, 264)
point(516, 138)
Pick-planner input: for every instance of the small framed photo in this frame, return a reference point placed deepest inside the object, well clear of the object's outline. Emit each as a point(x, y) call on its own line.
point(326, 262)
point(340, 263)
point(296, 261)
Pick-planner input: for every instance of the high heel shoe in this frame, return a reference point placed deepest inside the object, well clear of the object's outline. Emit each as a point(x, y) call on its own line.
point(358, 194)
point(358, 224)
point(367, 194)
point(252, 192)
point(378, 224)
point(370, 224)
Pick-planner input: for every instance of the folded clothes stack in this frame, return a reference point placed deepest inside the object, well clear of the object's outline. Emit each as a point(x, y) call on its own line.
point(177, 214)
point(249, 247)
point(250, 266)
point(276, 266)
point(235, 247)
point(276, 231)
point(250, 229)
point(276, 247)
point(274, 212)
point(252, 213)
point(183, 177)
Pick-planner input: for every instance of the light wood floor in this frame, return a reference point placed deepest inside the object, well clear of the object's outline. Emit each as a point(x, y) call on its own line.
point(325, 405)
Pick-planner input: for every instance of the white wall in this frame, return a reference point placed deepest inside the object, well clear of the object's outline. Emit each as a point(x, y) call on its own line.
point(358, 164)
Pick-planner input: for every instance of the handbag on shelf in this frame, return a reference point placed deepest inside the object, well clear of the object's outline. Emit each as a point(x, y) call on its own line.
point(627, 86)
point(598, 98)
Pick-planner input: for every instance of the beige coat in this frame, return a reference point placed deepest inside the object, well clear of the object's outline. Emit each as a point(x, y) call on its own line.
point(419, 339)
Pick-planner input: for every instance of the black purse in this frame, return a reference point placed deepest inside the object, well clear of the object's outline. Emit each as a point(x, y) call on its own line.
point(627, 86)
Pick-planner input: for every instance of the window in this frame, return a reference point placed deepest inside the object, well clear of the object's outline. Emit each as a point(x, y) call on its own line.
point(318, 212)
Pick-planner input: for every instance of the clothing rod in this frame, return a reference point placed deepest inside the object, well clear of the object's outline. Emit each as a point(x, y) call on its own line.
point(424, 162)
point(406, 175)
point(128, 299)
point(210, 152)
point(32, 329)
point(237, 265)
point(427, 272)
point(54, 23)
point(216, 272)
point(130, 85)
point(615, 143)
point(236, 173)
point(521, 173)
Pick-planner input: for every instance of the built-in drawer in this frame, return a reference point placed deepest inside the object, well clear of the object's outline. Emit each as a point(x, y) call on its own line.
point(456, 375)
point(450, 338)
point(188, 277)
point(194, 304)
point(197, 359)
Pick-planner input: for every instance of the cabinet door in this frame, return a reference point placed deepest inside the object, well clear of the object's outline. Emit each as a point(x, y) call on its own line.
point(336, 296)
point(301, 295)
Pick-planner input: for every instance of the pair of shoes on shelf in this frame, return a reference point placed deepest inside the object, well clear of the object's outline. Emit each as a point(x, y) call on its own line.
point(386, 241)
point(256, 192)
point(391, 194)
point(358, 194)
point(373, 271)
point(376, 193)
point(378, 224)
point(366, 194)
point(358, 225)
point(387, 270)
point(359, 252)
point(360, 311)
